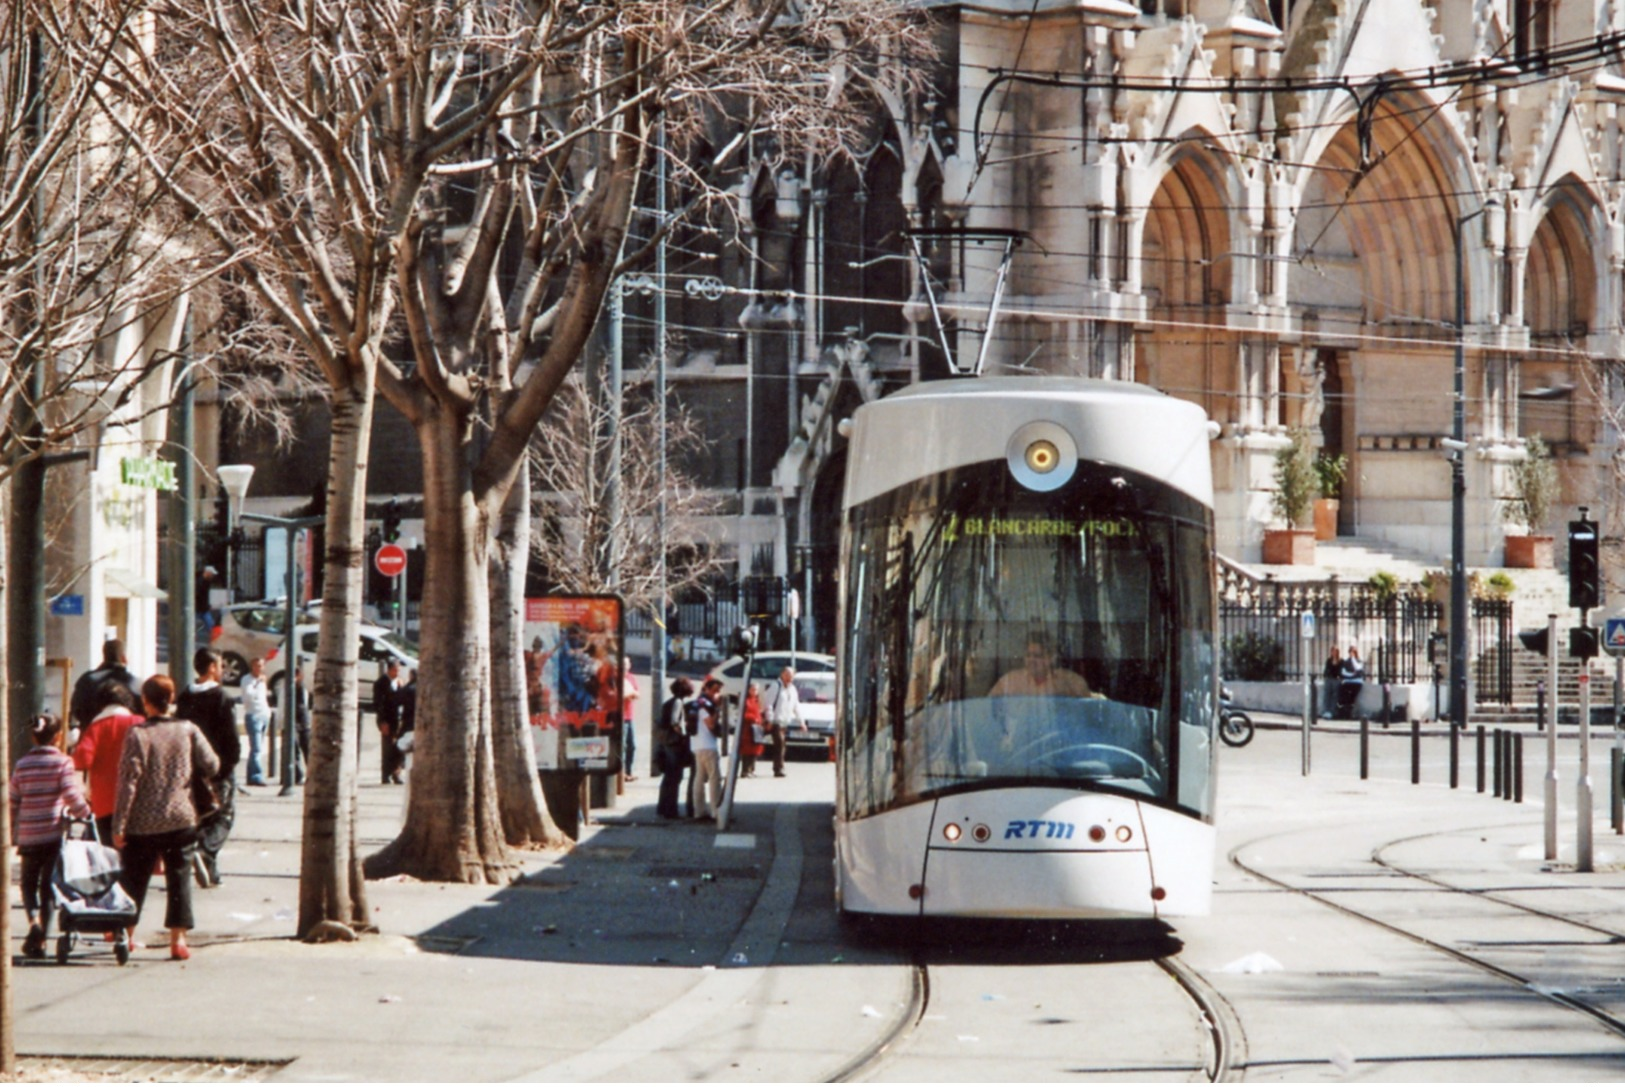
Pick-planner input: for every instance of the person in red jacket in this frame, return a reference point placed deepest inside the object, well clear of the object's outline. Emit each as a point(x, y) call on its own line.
point(113, 710)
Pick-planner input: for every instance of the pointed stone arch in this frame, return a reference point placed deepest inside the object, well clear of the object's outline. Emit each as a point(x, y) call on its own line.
point(1185, 268)
point(1373, 278)
point(1378, 229)
point(1562, 300)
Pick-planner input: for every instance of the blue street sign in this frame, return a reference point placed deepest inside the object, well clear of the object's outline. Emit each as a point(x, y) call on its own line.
point(1613, 636)
point(73, 604)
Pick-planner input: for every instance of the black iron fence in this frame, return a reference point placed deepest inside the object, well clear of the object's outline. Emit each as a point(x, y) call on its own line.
point(1402, 637)
point(1264, 639)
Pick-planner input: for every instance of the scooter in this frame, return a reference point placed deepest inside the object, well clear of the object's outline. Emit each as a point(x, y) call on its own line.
point(1235, 727)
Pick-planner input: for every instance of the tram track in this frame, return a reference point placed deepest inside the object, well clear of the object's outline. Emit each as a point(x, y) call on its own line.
point(1219, 1025)
point(1597, 1013)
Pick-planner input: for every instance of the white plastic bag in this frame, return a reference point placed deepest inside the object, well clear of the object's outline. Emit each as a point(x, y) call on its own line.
point(87, 868)
point(114, 900)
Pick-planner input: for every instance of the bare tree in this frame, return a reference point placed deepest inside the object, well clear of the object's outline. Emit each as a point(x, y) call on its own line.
point(474, 165)
point(580, 520)
point(93, 281)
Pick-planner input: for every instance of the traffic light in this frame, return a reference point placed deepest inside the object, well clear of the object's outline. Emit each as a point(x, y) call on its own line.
point(1585, 572)
point(1583, 642)
point(392, 521)
point(222, 514)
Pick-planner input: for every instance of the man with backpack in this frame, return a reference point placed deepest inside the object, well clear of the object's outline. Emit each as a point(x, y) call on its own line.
point(206, 704)
point(671, 752)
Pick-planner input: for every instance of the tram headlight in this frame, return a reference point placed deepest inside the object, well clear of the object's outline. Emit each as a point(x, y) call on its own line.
point(952, 832)
point(1042, 456)
point(1124, 833)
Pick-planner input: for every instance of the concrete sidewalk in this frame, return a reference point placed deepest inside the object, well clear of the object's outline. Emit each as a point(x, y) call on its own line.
point(462, 983)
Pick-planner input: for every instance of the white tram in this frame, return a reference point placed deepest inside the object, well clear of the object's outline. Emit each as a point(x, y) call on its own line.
point(1028, 696)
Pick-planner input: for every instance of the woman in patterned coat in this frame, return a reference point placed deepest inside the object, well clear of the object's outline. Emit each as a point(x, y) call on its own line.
point(155, 815)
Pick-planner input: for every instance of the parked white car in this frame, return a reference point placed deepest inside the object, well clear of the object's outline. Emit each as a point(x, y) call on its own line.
point(378, 647)
point(765, 667)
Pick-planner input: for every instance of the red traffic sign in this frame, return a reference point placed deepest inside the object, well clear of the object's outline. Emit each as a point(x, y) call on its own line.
point(390, 560)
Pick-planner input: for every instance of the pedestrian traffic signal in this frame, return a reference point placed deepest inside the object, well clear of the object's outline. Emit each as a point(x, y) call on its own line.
point(1585, 572)
point(392, 521)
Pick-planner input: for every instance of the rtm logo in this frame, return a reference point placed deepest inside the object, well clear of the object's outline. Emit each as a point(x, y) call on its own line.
point(1038, 828)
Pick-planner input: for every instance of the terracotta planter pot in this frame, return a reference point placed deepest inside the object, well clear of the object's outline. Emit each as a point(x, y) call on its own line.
point(1529, 552)
point(1289, 547)
point(1326, 518)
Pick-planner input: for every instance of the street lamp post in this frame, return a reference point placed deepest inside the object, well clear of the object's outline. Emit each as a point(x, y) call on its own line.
point(1458, 486)
point(290, 708)
point(235, 479)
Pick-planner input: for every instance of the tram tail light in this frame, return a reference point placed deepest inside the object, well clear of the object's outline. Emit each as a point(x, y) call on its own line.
point(1097, 834)
point(981, 832)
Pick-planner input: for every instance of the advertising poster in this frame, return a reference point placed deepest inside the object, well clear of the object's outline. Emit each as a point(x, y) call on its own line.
point(573, 681)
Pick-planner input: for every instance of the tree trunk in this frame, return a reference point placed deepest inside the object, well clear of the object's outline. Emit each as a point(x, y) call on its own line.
point(8, 1021)
point(526, 822)
point(453, 829)
point(330, 884)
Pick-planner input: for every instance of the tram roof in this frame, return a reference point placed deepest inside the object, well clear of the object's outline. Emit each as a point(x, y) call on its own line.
point(934, 426)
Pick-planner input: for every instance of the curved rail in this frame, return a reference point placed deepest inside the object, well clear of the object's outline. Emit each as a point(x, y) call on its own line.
point(1598, 1015)
point(903, 1024)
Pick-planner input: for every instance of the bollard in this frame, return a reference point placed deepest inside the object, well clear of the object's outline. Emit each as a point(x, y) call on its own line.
point(1496, 774)
point(1480, 758)
point(1416, 752)
point(1455, 756)
point(1540, 705)
point(1516, 767)
point(1387, 702)
point(1616, 804)
point(1365, 748)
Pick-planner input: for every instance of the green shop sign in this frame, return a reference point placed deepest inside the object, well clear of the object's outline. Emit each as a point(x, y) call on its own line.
point(153, 473)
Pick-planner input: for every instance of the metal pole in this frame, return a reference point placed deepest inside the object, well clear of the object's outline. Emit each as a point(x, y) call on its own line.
point(1583, 799)
point(1416, 752)
point(291, 620)
point(1458, 498)
point(657, 626)
point(1308, 718)
point(1497, 771)
point(1551, 737)
point(1480, 758)
point(183, 524)
point(1365, 748)
point(1516, 767)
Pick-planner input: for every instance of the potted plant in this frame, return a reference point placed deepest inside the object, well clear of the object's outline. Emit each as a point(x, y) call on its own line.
point(1330, 471)
point(1534, 492)
point(1295, 485)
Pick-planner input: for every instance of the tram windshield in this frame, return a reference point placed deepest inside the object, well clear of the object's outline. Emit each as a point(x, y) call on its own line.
point(996, 636)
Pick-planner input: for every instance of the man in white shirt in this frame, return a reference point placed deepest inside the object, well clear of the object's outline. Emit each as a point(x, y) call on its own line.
point(707, 776)
point(783, 710)
point(256, 717)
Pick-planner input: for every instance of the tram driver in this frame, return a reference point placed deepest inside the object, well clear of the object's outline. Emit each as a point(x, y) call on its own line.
point(1040, 675)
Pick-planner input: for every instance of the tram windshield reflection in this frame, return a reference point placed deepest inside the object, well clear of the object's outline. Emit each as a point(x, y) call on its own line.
point(998, 636)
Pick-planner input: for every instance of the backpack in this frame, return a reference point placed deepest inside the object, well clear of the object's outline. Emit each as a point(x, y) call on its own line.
point(691, 717)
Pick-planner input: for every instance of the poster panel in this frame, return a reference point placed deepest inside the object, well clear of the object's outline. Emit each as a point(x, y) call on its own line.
point(574, 681)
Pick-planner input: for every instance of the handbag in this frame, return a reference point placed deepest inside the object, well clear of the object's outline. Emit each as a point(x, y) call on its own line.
point(204, 798)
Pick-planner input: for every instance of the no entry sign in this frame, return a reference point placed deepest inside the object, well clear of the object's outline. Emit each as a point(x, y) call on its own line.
point(390, 560)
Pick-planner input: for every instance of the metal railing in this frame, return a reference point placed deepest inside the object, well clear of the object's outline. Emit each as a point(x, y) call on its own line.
point(1401, 635)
